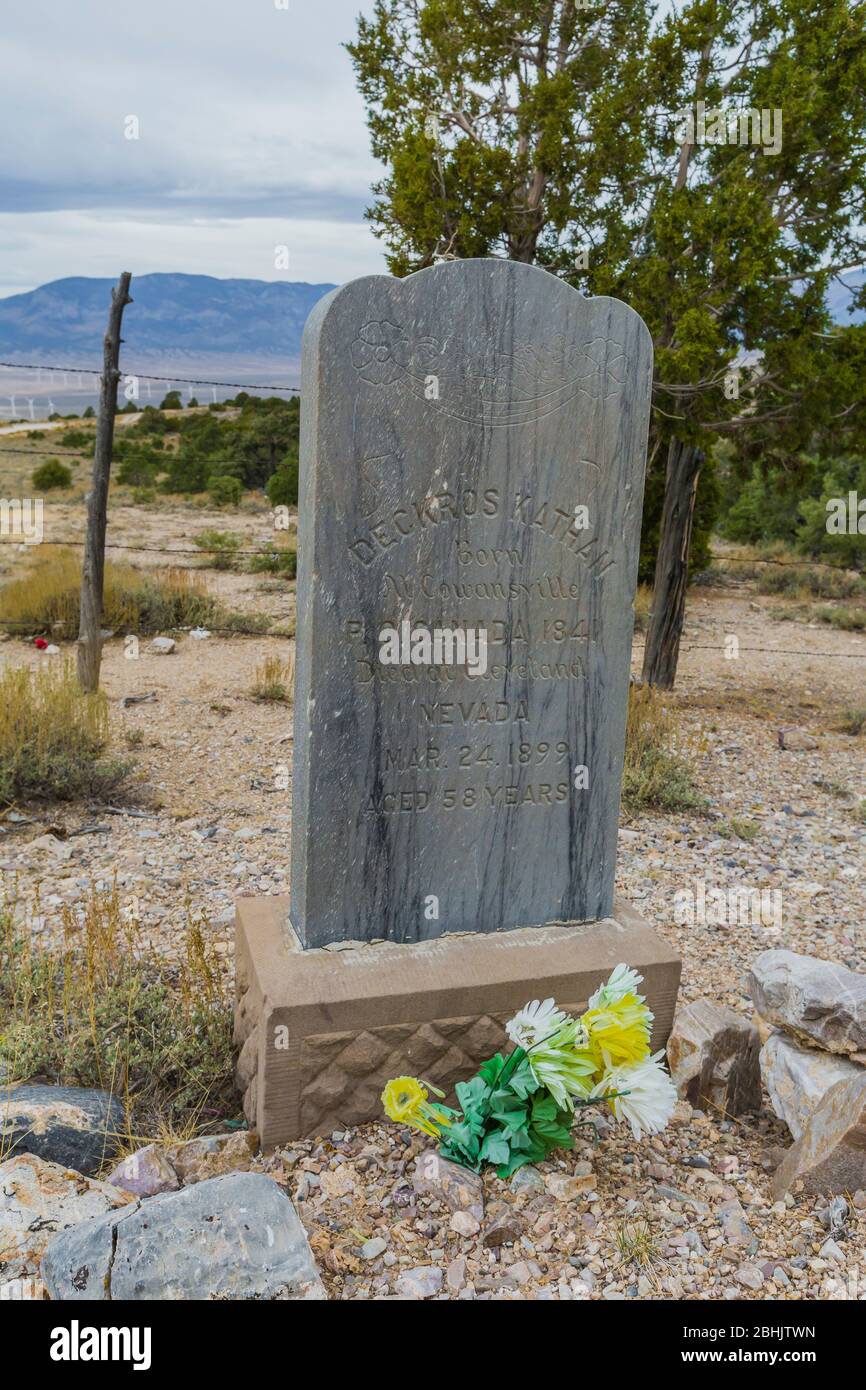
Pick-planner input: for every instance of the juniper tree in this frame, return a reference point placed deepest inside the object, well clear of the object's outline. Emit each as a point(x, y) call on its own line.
point(705, 164)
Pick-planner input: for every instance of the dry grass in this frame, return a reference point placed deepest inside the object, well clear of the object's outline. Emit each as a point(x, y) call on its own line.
point(46, 598)
point(275, 679)
point(101, 1008)
point(52, 737)
point(642, 604)
point(655, 775)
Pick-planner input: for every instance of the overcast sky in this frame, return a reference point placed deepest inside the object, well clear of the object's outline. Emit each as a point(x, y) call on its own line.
point(251, 136)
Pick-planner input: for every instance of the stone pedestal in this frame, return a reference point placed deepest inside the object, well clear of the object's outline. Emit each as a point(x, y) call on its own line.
point(320, 1031)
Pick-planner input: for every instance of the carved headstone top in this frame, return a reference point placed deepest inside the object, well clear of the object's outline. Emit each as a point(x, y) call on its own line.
point(473, 447)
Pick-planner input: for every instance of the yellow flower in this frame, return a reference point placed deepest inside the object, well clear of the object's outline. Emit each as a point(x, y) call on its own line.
point(405, 1101)
point(618, 1032)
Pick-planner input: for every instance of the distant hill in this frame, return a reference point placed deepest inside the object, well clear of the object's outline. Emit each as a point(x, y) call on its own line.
point(171, 316)
point(181, 316)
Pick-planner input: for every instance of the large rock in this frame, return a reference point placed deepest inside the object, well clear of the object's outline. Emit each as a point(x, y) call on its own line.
point(233, 1237)
point(147, 1172)
point(830, 1155)
point(713, 1057)
point(38, 1199)
point(812, 999)
point(798, 1078)
point(71, 1125)
point(213, 1155)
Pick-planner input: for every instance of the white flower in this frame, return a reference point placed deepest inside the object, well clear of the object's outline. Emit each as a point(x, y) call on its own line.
point(623, 980)
point(651, 1096)
point(534, 1022)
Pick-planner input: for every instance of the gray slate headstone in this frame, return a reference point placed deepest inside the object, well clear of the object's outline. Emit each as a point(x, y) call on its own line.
point(452, 423)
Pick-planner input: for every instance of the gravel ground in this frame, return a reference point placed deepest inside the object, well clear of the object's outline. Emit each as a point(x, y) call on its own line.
point(686, 1215)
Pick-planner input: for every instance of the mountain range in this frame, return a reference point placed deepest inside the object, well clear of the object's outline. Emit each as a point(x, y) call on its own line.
point(176, 317)
point(171, 316)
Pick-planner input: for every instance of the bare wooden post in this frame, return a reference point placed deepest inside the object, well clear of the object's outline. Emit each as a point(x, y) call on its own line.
point(662, 649)
point(93, 569)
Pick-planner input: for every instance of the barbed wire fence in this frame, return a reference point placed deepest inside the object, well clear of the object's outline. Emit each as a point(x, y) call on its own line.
point(721, 556)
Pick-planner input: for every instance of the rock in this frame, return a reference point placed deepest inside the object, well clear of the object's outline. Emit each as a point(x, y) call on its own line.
point(830, 1155)
point(70, 1125)
point(162, 646)
point(212, 1155)
point(713, 1057)
point(455, 1274)
point(831, 1251)
point(60, 850)
point(147, 1172)
point(565, 1186)
point(798, 1078)
point(30, 1289)
point(38, 1199)
point(425, 1281)
point(457, 1188)
point(732, 1220)
point(796, 740)
point(527, 1179)
point(507, 1226)
point(463, 1223)
point(372, 1249)
point(814, 1000)
point(749, 1276)
point(231, 1237)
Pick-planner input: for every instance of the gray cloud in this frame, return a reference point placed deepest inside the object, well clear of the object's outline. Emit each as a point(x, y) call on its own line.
point(246, 114)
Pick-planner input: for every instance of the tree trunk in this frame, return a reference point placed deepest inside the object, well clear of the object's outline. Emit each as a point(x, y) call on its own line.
point(93, 569)
point(662, 649)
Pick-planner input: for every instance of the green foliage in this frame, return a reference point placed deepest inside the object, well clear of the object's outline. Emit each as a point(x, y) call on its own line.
point(224, 491)
point(507, 1118)
point(555, 134)
point(273, 561)
point(50, 475)
point(171, 401)
point(76, 439)
point(219, 547)
point(282, 488)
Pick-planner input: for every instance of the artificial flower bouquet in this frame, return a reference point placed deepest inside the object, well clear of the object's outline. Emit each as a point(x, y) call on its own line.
point(519, 1107)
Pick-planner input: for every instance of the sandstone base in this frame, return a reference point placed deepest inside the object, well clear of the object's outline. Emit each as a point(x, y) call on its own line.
point(321, 1031)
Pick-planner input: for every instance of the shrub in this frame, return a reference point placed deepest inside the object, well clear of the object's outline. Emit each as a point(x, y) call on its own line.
point(274, 561)
point(219, 547)
point(103, 1008)
point(275, 679)
point(52, 737)
point(76, 439)
point(224, 491)
point(135, 600)
point(50, 475)
point(654, 774)
point(282, 487)
point(852, 722)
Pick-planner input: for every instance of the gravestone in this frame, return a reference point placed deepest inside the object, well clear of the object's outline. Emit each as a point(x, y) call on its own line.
point(473, 444)
point(474, 448)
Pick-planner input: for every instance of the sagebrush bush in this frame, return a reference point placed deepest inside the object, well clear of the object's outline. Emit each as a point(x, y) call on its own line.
point(655, 775)
point(53, 738)
point(100, 1007)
